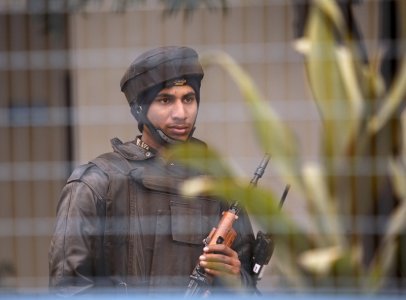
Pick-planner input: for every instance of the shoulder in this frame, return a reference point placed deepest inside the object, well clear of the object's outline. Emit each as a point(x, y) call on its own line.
point(100, 172)
point(92, 176)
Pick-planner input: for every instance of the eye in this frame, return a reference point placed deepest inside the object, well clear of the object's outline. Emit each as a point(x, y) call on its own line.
point(164, 100)
point(189, 99)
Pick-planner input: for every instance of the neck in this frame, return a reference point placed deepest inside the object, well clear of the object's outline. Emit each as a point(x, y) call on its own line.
point(150, 141)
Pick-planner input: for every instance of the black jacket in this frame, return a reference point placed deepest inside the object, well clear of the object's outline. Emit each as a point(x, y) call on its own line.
point(121, 223)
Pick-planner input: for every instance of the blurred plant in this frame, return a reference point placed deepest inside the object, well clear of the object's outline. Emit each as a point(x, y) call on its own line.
point(355, 107)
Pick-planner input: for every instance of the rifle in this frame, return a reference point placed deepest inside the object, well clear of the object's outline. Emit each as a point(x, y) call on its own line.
point(224, 233)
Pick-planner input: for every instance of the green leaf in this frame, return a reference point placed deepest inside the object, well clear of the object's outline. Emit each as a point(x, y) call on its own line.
point(384, 257)
point(285, 259)
point(330, 9)
point(397, 221)
point(323, 209)
point(274, 137)
point(376, 275)
point(200, 157)
point(393, 100)
point(397, 168)
point(334, 83)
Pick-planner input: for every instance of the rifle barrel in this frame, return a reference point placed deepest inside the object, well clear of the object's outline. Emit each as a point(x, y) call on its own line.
point(260, 170)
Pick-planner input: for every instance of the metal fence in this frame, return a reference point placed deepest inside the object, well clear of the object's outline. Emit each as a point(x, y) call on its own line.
point(60, 66)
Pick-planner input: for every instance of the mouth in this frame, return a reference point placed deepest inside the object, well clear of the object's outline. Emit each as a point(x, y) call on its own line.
point(179, 130)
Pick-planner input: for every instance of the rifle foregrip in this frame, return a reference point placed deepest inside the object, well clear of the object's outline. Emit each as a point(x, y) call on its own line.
point(200, 282)
point(224, 233)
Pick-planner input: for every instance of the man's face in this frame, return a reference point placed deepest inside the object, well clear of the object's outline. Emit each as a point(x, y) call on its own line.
point(174, 111)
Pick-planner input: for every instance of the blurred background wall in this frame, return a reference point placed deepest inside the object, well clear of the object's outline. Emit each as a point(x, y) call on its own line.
point(60, 68)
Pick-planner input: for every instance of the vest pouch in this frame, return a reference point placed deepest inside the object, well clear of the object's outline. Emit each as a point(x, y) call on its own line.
point(173, 227)
point(187, 223)
point(191, 218)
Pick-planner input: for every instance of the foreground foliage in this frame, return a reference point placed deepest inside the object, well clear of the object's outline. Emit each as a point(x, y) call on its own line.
point(356, 110)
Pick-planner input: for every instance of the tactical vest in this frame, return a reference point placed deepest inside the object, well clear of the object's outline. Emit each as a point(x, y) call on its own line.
point(153, 235)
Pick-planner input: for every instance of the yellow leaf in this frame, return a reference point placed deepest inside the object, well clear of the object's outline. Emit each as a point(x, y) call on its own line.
point(320, 261)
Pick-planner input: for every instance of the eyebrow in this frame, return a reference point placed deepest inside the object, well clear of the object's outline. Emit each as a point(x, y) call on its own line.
point(172, 96)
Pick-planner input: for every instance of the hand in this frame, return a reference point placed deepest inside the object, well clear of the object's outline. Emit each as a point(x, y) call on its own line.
point(220, 260)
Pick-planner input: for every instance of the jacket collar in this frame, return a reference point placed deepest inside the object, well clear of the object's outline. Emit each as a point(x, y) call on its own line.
point(131, 151)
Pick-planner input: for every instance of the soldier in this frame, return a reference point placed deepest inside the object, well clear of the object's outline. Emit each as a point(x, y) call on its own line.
point(121, 221)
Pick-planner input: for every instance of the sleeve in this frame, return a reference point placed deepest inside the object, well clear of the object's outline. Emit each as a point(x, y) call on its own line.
point(77, 239)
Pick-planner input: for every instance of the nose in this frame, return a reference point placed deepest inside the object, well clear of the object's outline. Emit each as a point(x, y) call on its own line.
point(179, 110)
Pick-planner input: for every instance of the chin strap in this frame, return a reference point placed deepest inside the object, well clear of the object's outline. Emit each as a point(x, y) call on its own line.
point(157, 134)
point(170, 140)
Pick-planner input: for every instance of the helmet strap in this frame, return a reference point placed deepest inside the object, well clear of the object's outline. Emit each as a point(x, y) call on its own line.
point(157, 134)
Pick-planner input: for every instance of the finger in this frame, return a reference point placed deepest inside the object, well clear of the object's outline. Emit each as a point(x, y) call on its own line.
point(220, 268)
point(220, 248)
point(212, 272)
point(220, 258)
point(216, 257)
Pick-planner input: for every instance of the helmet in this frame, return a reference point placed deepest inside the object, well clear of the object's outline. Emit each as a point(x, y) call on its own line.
point(154, 70)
